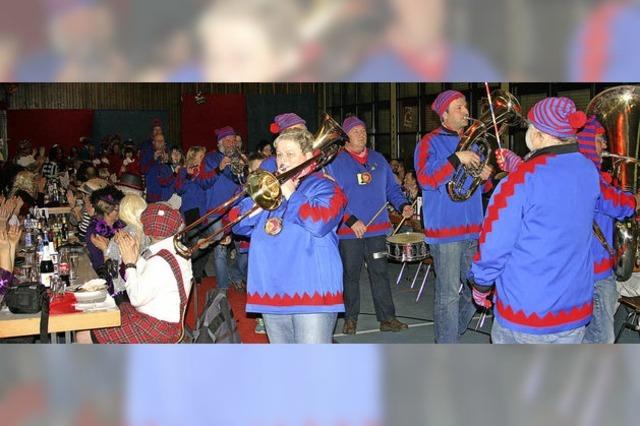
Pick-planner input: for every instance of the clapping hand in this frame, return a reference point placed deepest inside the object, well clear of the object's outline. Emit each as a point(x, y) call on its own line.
point(71, 198)
point(129, 247)
point(99, 241)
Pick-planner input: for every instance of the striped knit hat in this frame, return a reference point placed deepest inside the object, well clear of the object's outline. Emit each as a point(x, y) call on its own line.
point(587, 140)
point(223, 132)
point(443, 100)
point(557, 117)
point(351, 122)
point(284, 121)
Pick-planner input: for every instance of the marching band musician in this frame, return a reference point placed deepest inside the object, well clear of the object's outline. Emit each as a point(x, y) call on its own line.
point(536, 236)
point(148, 149)
point(281, 122)
point(295, 273)
point(451, 227)
point(217, 179)
point(368, 182)
point(193, 203)
point(613, 204)
point(159, 176)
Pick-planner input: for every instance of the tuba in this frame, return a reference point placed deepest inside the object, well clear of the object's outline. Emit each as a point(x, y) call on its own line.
point(618, 110)
point(480, 138)
point(265, 187)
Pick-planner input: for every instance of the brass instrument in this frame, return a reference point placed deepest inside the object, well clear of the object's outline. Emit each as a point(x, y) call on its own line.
point(480, 138)
point(618, 110)
point(265, 187)
point(238, 163)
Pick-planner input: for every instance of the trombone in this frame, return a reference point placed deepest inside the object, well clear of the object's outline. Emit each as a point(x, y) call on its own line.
point(265, 187)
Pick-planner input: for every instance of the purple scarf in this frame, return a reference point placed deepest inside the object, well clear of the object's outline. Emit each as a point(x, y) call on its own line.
point(103, 229)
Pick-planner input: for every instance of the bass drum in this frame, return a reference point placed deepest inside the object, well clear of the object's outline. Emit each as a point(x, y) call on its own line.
point(407, 247)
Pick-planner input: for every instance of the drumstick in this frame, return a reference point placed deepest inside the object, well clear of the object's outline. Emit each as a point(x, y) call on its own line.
point(403, 218)
point(375, 216)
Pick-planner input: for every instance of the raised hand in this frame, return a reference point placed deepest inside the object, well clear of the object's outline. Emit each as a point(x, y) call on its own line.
point(13, 234)
point(129, 248)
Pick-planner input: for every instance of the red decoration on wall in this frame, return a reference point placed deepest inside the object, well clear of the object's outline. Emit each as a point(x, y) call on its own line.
point(199, 120)
point(46, 127)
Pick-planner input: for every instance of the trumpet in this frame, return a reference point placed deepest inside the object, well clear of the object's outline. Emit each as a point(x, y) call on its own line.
point(238, 163)
point(265, 187)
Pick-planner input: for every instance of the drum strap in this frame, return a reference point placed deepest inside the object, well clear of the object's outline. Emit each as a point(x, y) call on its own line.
point(600, 236)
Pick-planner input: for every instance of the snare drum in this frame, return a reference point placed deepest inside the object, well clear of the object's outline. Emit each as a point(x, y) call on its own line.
point(407, 247)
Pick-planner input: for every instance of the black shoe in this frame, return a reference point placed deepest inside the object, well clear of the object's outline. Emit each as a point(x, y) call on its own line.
point(392, 325)
point(350, 326)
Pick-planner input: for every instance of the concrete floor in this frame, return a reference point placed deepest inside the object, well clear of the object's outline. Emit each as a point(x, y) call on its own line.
point(419, 315)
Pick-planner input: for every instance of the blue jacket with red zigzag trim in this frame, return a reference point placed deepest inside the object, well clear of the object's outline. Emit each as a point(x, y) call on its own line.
point(613, 204)
point(219, 185)
point(364, 200)
point(192, 194)
point(160, 182)
point(445, 220)
point(536, 243)
point(298, 270)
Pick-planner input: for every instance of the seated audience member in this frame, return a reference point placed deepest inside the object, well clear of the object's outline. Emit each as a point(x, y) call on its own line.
point(410, 186)
point(29, 187)
point(131, 208)
point(103, 227)
point(83, 218)
point(130, 163)
point(158, 285)
point(130, 183)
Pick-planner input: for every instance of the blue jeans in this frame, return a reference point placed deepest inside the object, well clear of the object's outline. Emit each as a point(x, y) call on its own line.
point(222, 268)
point(605, 296)
point(300, 328)
point(503, 335)
point(238, 268)
point(452, 311)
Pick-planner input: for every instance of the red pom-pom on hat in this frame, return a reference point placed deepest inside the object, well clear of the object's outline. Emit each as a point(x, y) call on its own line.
point(577, 119)
point(274, 128)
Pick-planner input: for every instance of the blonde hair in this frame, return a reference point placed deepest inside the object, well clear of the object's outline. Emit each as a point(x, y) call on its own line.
point(131, 207)
point(192, 155)
point(27, 182)
point(302, 137)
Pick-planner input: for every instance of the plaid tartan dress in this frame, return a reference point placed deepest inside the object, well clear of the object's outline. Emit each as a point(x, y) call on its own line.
point(137, 327)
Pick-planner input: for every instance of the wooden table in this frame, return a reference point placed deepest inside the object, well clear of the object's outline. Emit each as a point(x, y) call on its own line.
point(14, 325)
